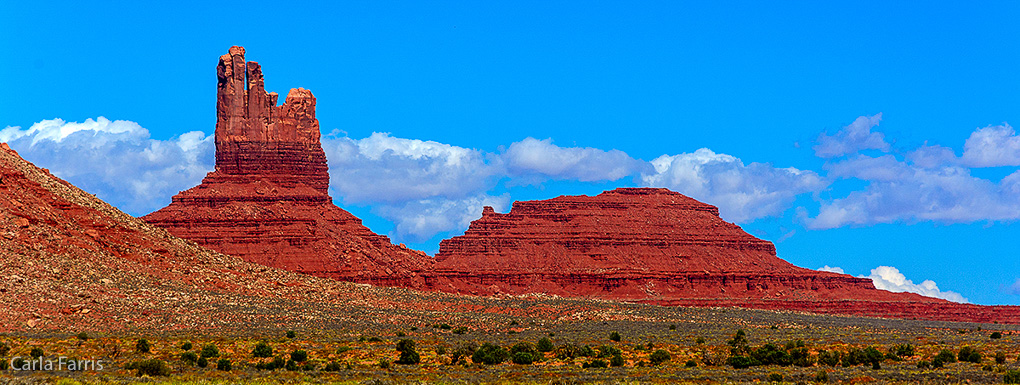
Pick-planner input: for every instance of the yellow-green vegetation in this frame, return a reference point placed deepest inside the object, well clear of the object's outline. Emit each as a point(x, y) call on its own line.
point(728, 346)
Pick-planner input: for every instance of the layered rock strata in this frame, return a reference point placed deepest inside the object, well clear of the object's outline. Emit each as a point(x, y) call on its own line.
point(267, 200)
point(657, 246)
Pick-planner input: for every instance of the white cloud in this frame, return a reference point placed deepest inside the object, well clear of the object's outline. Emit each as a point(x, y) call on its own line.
point(831, 269)
point(116, 160)
point(853, 138)
point(742, 192)
point(421, 219)
point(932, 156)
point(889, 278)
point(898, 191)
point(532, 156)
point(992, 146)
point(382, 168)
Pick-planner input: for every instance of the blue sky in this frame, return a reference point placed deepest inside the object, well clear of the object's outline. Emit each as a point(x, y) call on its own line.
point(853, 135)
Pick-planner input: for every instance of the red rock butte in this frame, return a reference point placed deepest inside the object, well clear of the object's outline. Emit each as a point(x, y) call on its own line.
point(267, 200)
point(658, 246)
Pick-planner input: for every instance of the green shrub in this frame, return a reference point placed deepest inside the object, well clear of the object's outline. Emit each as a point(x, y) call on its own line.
point(460, 330)
point(445, 326)
point(209, 351)
point(291, 334)
point(291, 366)
point(524, 347)
point(1011, 377)
point(659, 356)
point(545, 345)
point(202, 362)
point(700, 341)
point(343, 349)
point(672, 327)
point(151, 367)
point(4, 349)
point(569, 351)
point(904, 350)
point(223, 364)
point(995, 335)
point(401, 334)
point(775, 377)
point(490, 354)
point(829, 358)
point(1000, 358)
point(614, 336)
point(739, 345)
point(946, 356)
point(408, 355)
point(36, 353)
point(189, 358)
point(463, 352)
point(18, 362)
point(691, 364)
point(441, 351)
point(83, 336)
point(740, 362)
point(262, 350)
point(332, 366)
point(3, 365)
point(299, 355)
point(770, 354)
point(822, 376)
point(186, 346)
point(384, 364)
point(143, 346)
point(923, 364)
point(873, 356)
point(596, 363)
point(522, 358)
point(616, 360)
point(606, 351)
point(969, 354)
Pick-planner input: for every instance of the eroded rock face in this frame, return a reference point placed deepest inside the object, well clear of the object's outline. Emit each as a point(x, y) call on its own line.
point(267, 201)
point(657, 246)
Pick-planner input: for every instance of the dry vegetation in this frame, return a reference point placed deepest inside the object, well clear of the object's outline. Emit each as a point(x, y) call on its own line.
point(697, 342)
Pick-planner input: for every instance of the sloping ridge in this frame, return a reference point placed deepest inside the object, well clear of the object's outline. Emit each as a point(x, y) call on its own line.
point(267, 200)
point(658, 246)
point(73, 262)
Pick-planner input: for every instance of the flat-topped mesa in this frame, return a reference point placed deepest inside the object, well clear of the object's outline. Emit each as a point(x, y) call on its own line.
point(267, 201)
point(636, 244)
point(624, 229)
point(255, 138)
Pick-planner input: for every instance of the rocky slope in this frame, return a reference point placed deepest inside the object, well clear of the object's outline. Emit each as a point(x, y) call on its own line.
point(267, 200)
point(658, 246)
point(69, 262)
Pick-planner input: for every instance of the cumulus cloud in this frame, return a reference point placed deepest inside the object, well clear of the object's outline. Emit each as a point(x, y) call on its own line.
point(423, 187)
point(116, 160)
point(542, 158)
point(889, 278)
point(992, 146)
point(929, 183)
point(419, 220)
point(742, 192)
point(900, 191)
point(831, 269)
point(382, 168)
point(853, 138)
